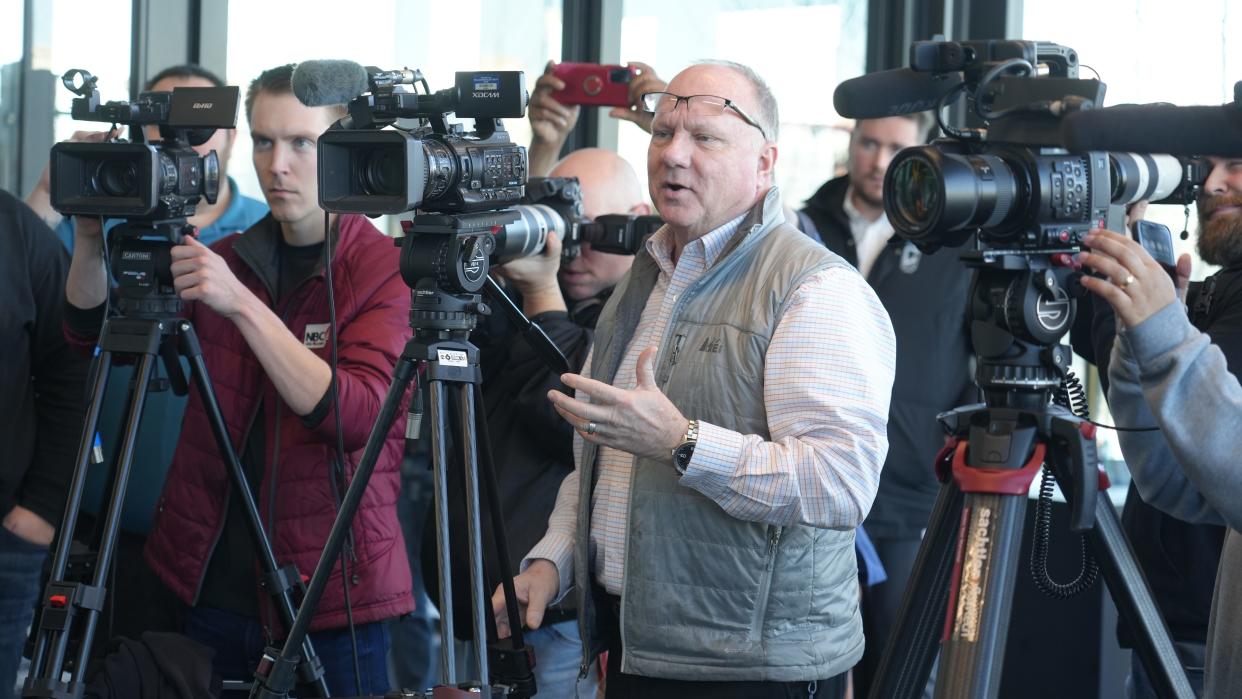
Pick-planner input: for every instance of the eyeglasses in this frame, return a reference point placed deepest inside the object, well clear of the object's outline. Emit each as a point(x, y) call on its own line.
point(696, 105)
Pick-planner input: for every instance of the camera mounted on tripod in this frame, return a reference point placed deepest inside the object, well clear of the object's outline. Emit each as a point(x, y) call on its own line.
point(153, 186)
point(1005, 182)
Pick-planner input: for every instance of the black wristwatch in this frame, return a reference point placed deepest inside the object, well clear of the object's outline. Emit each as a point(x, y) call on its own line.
point(683, 452)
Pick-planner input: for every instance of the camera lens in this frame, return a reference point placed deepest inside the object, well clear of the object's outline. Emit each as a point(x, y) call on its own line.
point(116, 178)
point(917, 191)
point(936, 197)
point(383, 172)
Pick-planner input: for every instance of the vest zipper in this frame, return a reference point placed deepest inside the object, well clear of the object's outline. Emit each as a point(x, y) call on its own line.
point(765, 585)
point(667, 369)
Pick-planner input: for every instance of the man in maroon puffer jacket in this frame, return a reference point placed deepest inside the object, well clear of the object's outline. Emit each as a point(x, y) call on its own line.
point(258, 301)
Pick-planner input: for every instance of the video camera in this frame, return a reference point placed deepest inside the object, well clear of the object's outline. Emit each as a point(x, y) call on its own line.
point(140, 180)
point(437, 167)
point(553, 205)
point(153, 186)
point(1011, 182)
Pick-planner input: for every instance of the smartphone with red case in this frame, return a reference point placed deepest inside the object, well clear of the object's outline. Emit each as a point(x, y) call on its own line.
point(594, 84)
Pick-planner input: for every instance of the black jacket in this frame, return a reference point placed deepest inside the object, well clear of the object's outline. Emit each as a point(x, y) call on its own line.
point(42, 379)
point(1179, 559)
point(531, 444)
point(925, 296)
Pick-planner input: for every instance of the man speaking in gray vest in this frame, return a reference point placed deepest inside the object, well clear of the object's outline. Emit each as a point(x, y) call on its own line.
point(731, 427)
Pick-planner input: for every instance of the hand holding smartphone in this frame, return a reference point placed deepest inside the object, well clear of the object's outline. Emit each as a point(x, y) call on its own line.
point(594, 84)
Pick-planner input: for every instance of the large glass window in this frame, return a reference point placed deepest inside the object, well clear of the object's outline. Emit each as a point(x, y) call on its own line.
point(10, 92)
point(436, 38)
point(78, 30)
point(801, 48)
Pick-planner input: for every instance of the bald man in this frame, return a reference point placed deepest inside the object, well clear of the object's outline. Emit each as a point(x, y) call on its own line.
point(531, 444)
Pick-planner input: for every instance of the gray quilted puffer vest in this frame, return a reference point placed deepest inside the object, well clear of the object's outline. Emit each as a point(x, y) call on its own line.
point(707, 596)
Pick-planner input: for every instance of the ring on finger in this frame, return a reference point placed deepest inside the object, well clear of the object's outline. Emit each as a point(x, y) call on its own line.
point(1127, 281)
point(592, 428)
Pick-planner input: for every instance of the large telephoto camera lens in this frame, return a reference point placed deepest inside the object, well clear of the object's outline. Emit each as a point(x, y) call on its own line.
point(936, 197)
point(529, 234)
point(1139, 176)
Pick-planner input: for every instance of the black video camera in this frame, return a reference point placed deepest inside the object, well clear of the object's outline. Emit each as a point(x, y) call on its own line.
point(140, 180)
point(153, 186)
point(1009, 180)
point(438, 167)
point(553, 205)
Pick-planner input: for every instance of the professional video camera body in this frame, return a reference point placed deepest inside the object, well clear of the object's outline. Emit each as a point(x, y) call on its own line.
point(153, 186)
point(1008, 184)
point(1005, 183)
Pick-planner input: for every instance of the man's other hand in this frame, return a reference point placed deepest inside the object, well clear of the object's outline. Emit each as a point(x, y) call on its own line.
point(535, 589)
point(534, 277)
point(28, 526)
point(645, 81)
point(1134, 284)
point(199, 274)
point(640, 421)
point(550, 123)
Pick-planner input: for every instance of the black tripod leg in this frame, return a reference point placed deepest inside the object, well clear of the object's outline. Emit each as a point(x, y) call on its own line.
point(473, 529)
point(188, 346)
point(915, 637)
point(276, 673)
point(439, 476)
point(972, 657)
point(1134, 602)
point(60, 557)
point(45, 676)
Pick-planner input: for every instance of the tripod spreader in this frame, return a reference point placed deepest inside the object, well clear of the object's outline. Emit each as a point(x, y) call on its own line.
point(997, 448)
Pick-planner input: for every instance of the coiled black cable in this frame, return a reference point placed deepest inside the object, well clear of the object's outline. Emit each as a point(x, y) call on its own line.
point(1071, 396)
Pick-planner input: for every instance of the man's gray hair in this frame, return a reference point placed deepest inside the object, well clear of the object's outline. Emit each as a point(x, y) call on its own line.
point(768, 116)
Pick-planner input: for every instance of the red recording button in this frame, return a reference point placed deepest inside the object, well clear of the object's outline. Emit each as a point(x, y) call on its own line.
point(58, 601)
point(1064, 259)
point(1064, 236)
point(1087, 429)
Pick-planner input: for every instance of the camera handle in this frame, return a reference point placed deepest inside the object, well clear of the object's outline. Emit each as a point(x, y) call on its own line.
point(960, 593)
point(63, 601)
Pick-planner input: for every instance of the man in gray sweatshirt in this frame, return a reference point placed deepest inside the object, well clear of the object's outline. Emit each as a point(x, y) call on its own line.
point(1165, 373)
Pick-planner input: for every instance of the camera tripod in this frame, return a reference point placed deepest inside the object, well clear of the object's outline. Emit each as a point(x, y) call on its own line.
point(960, 592)
point(147, 328)
point(444, 259)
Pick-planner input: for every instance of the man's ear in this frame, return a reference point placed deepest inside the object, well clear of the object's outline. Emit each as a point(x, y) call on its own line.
point(641, 209)
point(767, 163)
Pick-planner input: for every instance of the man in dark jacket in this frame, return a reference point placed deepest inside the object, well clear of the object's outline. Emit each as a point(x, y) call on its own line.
point(259, 303)
point(532, 445)
point(925, 296)
point(42, 406)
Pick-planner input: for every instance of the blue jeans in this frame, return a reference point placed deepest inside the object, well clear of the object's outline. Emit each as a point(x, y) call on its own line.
point(21, 567)
point(1192, 657)
point(239, 642)
point(558, 653)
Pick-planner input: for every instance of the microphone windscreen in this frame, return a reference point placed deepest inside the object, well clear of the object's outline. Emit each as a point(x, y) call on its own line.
point(1157, 128)
point(892, 93)
point(322, 83)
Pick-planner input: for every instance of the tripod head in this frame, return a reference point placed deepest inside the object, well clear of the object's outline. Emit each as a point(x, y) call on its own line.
point(140, 262)
point(1020, 306)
